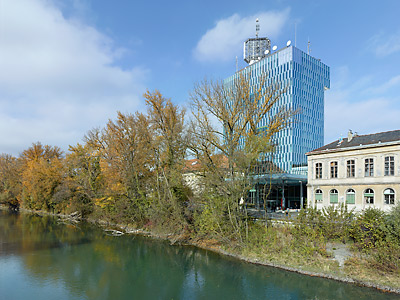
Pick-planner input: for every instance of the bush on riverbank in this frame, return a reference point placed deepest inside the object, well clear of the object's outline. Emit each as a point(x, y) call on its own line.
point(371, 234)
point(285, 244)
point(376, 234)
point(333, 223)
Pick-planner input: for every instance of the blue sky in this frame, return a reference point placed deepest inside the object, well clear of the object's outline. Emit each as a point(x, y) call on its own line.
point(67, 66)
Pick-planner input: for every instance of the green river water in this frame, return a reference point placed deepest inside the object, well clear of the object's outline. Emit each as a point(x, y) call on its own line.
point(43, 258)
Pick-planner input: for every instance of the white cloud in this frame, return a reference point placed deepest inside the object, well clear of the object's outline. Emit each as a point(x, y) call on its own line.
point(221, 42)
point(391, 83)
point(362, 106)
point(369, 116)
point(383, 44)
point(58, 77)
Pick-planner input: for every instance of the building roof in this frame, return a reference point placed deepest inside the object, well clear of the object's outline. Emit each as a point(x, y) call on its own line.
point(192, 165)
point(196, 165)
point(354, 140)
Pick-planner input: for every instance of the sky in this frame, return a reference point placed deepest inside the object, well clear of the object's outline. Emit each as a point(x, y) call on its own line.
point(68, 66)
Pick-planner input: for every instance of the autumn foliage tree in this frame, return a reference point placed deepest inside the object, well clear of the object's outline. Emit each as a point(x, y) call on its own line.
point(169, 146)
point(41, 173)
point(123, 148)
point(10, 181)
point(83, 182)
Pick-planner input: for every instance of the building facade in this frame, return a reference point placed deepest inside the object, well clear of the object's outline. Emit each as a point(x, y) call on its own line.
point(360, 171)
point(304, 79)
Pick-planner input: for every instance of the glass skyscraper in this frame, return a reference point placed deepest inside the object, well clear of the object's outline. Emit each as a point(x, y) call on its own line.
point(305, 79)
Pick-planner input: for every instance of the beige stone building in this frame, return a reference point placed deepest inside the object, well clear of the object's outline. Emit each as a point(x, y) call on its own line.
point(360, 170)
point(193, 172)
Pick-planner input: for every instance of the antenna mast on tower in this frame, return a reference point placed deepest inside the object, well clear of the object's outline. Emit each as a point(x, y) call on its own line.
point(257, 27)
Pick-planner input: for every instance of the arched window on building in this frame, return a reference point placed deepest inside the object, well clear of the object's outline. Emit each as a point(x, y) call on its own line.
point(318, 195)
point(369, 196)
point(333, 196)
point(350, 196)
point(389, 196)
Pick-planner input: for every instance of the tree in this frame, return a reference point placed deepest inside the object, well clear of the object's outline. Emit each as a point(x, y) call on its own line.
point(169, 148)
point(226, 124)
point(83, 182)
point(125, 158)
point(10, 185)
point(42, 173)
point(83, 166)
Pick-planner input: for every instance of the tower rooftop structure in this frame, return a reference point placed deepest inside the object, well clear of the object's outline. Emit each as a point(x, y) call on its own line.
point(256, 48)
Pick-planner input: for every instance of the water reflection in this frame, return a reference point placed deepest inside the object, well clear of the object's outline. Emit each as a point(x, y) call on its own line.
point(39, 255)
point(26, 233)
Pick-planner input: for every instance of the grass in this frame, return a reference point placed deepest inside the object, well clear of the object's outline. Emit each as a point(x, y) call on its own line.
point(360, 268)
point(281, 246)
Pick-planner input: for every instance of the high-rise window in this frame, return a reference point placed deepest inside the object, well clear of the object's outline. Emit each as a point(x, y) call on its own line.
point(334, 169)
point(318, 170)
point(369, 167)
point(389, 165)
point(351, 168)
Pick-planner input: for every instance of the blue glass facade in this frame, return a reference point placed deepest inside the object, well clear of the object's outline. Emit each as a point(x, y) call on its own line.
point(305, 79)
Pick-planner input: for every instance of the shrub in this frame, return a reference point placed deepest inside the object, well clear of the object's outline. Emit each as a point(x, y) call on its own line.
point(392, 225)
point(209, 220)
point(307, 222)
point(336, 221)
point(369, 229)
point(331, 222)
point(386, 257)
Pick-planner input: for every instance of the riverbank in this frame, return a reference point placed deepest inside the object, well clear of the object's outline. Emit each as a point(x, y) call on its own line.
point(322, 273)
point(215, 246)
point(334, 268)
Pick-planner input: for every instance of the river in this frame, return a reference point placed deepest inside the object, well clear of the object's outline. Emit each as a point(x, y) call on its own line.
point(43, 258)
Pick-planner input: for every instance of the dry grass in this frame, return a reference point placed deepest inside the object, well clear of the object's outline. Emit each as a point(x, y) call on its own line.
point(360, 268)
